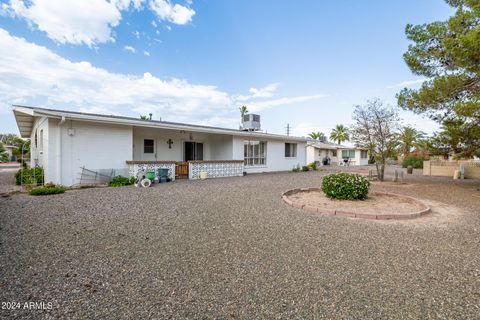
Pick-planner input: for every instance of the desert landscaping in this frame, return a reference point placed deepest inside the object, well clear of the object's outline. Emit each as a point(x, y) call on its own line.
point(205, 249)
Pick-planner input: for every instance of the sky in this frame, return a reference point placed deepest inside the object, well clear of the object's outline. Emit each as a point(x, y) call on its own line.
point(302, 63)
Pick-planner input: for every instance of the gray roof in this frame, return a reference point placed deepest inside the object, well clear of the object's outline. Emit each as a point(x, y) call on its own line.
point(25, 114)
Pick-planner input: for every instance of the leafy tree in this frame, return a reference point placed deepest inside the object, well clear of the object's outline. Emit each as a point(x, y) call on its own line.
point(456, 140)
point(243, 110)
point(3, 154)
point(317, 136)
point(376, 129)
point(12, 140)
point(408, 139)
point(142, 117)
point(447, 52)
point(339, 134)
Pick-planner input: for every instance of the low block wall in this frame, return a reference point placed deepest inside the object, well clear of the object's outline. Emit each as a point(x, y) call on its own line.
point(215, 168)
point(447, 168)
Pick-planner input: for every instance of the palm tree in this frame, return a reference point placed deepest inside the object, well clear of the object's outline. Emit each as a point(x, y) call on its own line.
point(317, 136)
point(243, 110)
point(409, 138)
point(143, 117)
point(339, 134)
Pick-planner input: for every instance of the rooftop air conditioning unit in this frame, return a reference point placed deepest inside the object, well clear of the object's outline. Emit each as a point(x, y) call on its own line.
point(251, 122)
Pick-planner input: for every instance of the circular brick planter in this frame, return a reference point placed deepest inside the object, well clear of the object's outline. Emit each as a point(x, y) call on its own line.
point(343, 213)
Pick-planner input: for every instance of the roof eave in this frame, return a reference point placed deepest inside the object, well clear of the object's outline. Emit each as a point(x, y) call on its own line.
point(142, 123)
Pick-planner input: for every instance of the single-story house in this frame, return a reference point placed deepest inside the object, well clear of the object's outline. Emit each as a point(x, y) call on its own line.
point(334, 154)
point(70, 146)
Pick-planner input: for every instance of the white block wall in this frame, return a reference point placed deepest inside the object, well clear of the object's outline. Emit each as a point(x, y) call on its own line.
point(93, 146)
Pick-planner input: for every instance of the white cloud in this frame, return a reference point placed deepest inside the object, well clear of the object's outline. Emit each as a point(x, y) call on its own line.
point(174, 13)
point(154, 24)
point(406, 84)
point(257, 106)
point(304, 128)
point(32, 74)
point(146, 53)
point(70, 21)
point(130, 49)
point(265, 92)
point(88, 22)
point(136, 34)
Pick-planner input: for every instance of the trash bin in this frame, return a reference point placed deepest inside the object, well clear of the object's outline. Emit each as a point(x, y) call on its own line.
point(162, 172)
point(150, 175)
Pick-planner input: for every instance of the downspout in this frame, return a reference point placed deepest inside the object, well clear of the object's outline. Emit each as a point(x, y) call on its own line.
point(59, 150)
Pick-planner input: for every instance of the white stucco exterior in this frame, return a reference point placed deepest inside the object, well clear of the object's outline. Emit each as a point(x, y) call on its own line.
point(275, 156)
point(69, 146)
point(65, 142)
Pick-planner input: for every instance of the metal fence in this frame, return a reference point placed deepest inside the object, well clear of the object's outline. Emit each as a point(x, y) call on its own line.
point(89, 177)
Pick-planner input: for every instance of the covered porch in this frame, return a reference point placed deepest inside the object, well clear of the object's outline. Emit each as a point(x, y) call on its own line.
point(185, 153)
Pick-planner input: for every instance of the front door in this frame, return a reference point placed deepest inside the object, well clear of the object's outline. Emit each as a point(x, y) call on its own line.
point(193, 151)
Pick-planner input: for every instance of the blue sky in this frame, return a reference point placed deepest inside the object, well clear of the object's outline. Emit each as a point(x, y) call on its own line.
point(306, 63)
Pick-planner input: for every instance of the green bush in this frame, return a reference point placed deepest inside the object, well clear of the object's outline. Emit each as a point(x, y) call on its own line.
point(414, 161)
point(46, 190)
point(345, 186)
point(29, 176)
point(313, 165)
point(305, 168)
point(120, 181)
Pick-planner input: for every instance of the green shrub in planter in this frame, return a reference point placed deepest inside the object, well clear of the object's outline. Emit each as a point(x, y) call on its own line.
point(29, 176)
point(305, 168)
point(313, 165)
point(47, 190)
point(119, 181)
point(345, 186)
point(415, 161)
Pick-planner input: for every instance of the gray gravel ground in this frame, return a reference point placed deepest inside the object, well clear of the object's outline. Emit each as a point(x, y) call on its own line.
point(230, 248)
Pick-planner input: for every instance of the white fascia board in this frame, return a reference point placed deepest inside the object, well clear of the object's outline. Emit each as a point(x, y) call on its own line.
point(162, 125)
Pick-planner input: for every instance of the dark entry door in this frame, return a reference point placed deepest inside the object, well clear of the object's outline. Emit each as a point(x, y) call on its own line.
point(193, 151)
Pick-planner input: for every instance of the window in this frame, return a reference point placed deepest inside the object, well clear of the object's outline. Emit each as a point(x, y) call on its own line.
point(254, 153)
point(334, 153)
point(148, 146)
point(348, 154)
point(290, 150)
point(36, 140)
point(364, 154)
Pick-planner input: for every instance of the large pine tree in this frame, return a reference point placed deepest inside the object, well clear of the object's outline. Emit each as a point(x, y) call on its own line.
point(448, 54)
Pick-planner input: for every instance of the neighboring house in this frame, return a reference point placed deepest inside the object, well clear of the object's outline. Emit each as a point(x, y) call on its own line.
point(64, 142)
point(318, 151)
point(9, 150)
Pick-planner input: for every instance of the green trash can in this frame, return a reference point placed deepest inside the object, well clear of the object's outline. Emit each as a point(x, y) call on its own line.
point(150, 175)
point(163, 172)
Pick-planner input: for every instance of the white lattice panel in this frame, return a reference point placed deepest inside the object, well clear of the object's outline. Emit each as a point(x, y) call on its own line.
point(215, 169)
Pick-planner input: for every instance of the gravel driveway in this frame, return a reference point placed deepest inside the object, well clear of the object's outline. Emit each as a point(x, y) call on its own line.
point(230, 248)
